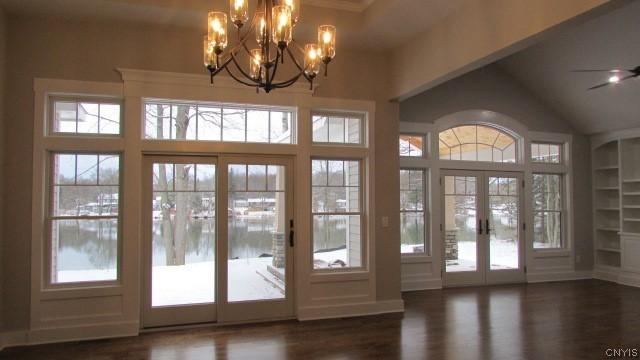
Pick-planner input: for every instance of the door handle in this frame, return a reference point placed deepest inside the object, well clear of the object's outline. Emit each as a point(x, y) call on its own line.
point(291, 238)
point(488, 229)
point(479, 226)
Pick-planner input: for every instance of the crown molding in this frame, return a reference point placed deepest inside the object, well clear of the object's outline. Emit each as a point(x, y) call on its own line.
point(172, 78)
point(359, 6)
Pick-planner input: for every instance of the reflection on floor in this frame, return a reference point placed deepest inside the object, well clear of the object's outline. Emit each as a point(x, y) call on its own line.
point(563, 320)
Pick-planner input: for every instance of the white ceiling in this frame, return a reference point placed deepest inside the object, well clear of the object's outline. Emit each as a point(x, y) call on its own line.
point(376, 25)
point(609, 41)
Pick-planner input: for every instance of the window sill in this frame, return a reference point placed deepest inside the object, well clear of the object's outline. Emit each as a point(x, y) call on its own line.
point(415, 258)
point(75, 291)
point(551, 253)
point(339, 275)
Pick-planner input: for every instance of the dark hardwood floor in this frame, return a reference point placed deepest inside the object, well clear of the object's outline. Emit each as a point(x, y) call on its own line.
point(563, 320)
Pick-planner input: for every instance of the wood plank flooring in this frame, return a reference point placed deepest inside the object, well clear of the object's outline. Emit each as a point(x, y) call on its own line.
point(563, 320)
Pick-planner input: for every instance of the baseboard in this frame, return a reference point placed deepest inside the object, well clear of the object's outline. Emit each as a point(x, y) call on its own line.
point(65, 334)
point(536, 277)
point(629, 279)
point(350, 310)
point(421, 284)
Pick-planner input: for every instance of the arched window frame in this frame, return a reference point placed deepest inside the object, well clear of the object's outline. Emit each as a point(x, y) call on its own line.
point(496, 152)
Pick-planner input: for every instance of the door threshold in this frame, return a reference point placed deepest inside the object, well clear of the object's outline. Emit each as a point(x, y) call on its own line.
point(211, 324)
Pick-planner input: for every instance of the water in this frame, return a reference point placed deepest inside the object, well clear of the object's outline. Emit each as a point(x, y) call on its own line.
point(88, 245)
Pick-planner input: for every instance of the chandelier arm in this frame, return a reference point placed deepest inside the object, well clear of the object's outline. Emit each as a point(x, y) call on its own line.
point(275, 67)
point(287, 83)
point(241, 81)
point(303, 71)
point(235, 62)
point(220, 68)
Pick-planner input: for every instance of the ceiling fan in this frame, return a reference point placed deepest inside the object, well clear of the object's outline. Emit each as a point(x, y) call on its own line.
point(618, 76)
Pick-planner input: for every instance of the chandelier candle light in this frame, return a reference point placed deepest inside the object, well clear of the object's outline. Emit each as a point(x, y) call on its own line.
point(274, 39)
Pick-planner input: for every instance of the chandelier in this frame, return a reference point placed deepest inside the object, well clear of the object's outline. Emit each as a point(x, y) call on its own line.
point(272, 24)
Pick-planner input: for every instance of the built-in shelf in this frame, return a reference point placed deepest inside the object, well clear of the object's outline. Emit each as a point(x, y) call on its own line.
point(608, 229)
point(607, 188)
point(631, 206)
point(634, 193)
point(631, 181)
point(631, 219)
point(609, 249)
point(608, 209)
point(608, 168)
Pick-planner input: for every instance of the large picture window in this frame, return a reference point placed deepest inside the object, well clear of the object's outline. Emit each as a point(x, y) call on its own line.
point(83, 217)
point(412, 211)
point(216, 122)
point(477, 143)
point(337, 213)
point(547, 211)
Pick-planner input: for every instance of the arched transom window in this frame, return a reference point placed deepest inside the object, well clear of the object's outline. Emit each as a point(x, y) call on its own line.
point(477, 143)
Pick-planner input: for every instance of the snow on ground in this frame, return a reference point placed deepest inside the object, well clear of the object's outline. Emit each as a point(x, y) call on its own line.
point(504, 255)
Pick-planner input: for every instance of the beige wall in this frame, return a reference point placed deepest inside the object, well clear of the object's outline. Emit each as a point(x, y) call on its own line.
point(63, 49)
point(481, 32)
point(491, 88)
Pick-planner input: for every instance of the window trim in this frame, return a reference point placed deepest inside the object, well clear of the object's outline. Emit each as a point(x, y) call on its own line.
point(363, 143)
point(50, 116)
point(426, 214)
point(364, 234)
point(49, 218)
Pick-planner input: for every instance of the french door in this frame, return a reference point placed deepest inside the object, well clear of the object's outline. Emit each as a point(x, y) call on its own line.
point(482, 236)
point(218, 239)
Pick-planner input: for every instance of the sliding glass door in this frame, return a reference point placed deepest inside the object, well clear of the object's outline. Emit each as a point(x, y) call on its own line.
point(219, 240)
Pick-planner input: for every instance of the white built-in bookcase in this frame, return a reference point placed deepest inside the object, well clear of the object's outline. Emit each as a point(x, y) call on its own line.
point(616, 202)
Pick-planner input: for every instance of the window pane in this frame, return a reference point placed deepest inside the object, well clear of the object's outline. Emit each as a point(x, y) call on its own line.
point(87, 169)
point(412, 232)
point(281, 130)
point(320, 129)
point(70, 200)
point(88, 118)
point(209, 120)
point(257, 180)
point(109, 168)
point(258, 126)
point(353, 128)
point(157, 121)
point(65, 116)
point(109, 119)
point(233, 126)
point(84, 250)
point(205, 177)
point(336, 241)
point(547, 230)
point(336, 130)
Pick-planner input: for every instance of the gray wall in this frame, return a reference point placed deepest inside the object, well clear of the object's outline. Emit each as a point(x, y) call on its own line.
point(491, 88)
point(91, 50)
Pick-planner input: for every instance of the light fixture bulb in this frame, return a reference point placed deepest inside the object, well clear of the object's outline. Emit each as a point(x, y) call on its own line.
point(614, 79)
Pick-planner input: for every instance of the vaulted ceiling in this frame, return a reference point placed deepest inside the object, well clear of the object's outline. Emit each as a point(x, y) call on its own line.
point(608, 41)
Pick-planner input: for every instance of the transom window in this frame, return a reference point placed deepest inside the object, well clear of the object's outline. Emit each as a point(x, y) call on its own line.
point(218, 122)
point(477, 143)
point(73, 117)
point(411, 145)
point(338, 129)
point(546, 153)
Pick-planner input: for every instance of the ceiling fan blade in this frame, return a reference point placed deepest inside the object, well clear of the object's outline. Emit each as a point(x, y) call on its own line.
point(599, 86)
point(613, 83)
point(609, 71)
